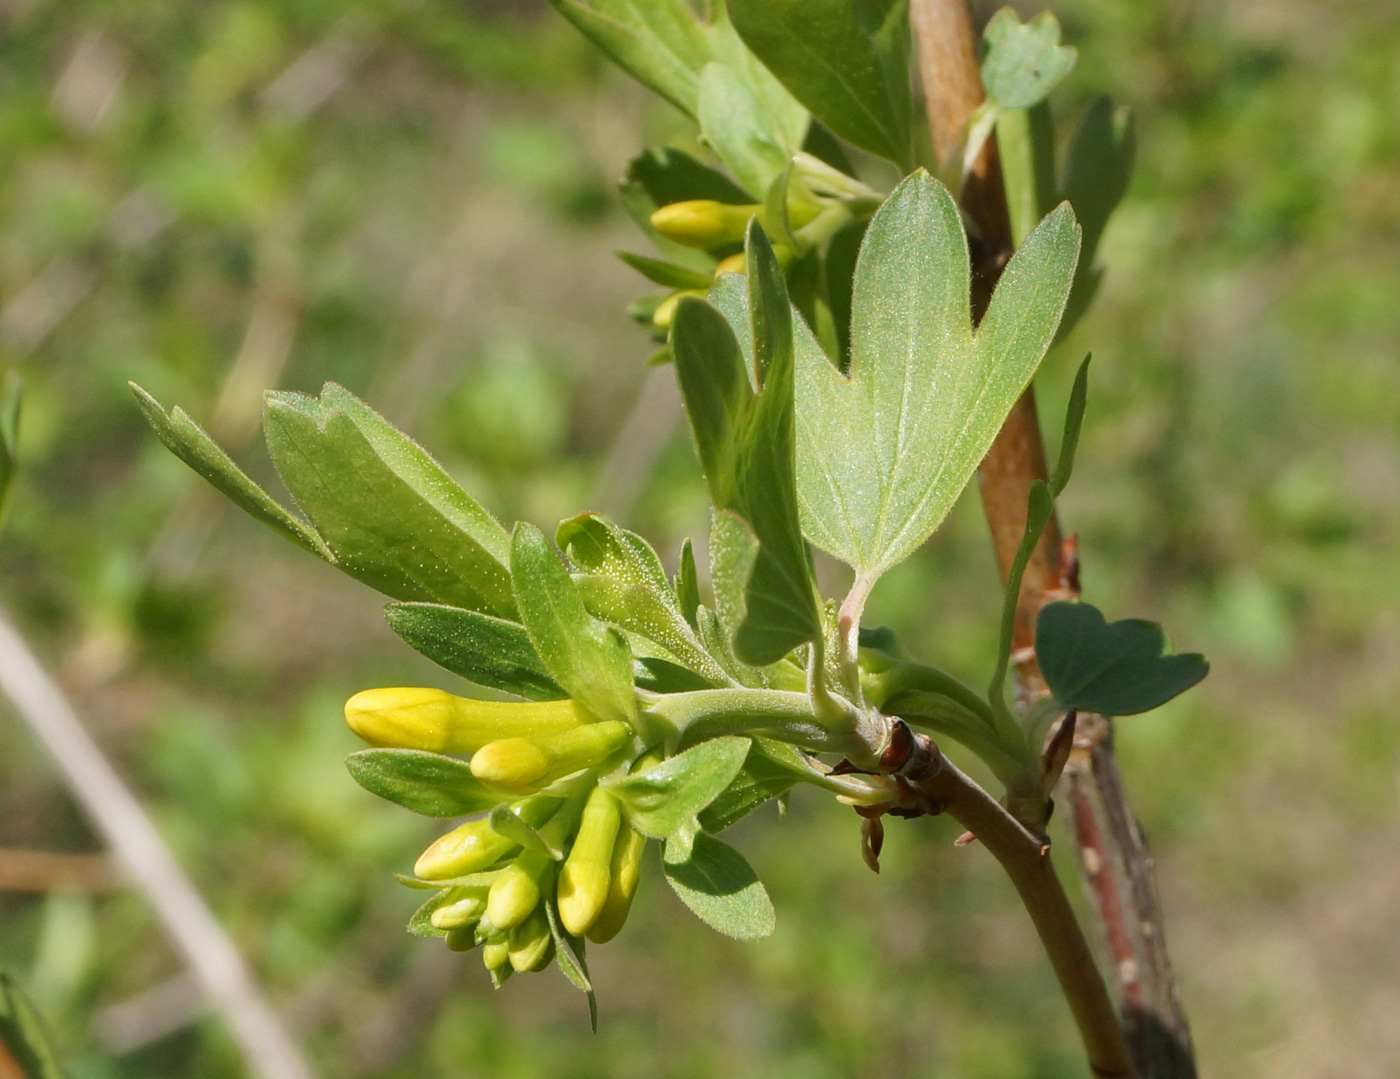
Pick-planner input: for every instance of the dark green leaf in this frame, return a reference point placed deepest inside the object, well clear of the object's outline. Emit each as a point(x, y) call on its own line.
point(661, 176)
point(1117, 669)
point(588, 658)
point(188, 441)
point(658, 42)
point(1023, 61)
point(715, 882)
point(1074, 420)
point(427, 783)
point(770, 769)
point(838, 278)
point(392, 516)
point(884, 454)
point(1040, 506)
point(845, 60)
point(665, 797)
point(488, 651)
point(662, 676)
point(623, 582)
point(22, 1033)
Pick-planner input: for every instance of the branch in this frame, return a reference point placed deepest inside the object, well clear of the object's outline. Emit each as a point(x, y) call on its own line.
point(1114, 864)
point(191, 925)
point(1026, 859)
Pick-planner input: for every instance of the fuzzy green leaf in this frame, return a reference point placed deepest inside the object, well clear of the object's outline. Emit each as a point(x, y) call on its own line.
point(1118, 669)
point(664, 798)
point(846, 60)
point(1023, 61)
point(427, 783)
point(390, 513)
point(189, 442)
point(588, 658)
point(770, 769)
point(884, 454)
point(755, 137)
point(719, 886)
point(658, 42)
point(666, 273)
point(488, 651)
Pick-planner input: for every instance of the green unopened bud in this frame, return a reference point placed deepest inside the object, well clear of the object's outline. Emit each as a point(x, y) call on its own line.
point(703, 222)
point(461, 939)
point(625, 872)
point(587, 871)
point(440, 722)
point(475, 845)
point(531, 945)
point(463, 907)
point(516, 892)
point(521, 764)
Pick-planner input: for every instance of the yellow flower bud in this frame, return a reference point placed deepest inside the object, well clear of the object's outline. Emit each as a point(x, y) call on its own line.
point(521, 764)
point(666, 310)
point(516, 892)
point(530, 944)
point(475, 845)
point(584, 877)
point(733, 264)
point(462, 908)
point(496, 956)
point(625, 872)
point(703, 222)
point(440, 722)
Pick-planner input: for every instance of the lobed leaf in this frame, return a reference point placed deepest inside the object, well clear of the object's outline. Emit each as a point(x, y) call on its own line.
point(1023, 62)
point(1117, 669)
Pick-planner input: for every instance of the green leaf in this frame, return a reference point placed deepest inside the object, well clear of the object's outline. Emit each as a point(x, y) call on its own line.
point(770, 769)
point(570, 953)
point(687, 582)
point(883, 455)
point(754, 140)
point(488, 651)
point(662, 676)
point(390, 513)
point(420, 924)
point(1026, 150)
point(1039, 508)
point(1097, 172)
point(664, 798)
point(658, 42)
point(838, 279)
point(1074, 420)
point(1023, 62)
point(427, 783)
point(188, 441)
point(23, 1034)
point(623, 582)
point(745, 443)
point(11, 395)
point(846, 60)
point(509, 825)
point(719, 886)
point(666, 273)
point(588, 658)
point(1117, 669)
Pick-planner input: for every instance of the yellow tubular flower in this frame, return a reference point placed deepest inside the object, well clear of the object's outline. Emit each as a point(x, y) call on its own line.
point(666, 309)
point(703, 222)
point(530, 944)
point(584, 877)
point(496, 956)
point(474, 846)
point(733, 264)
point(463, 907)
point(516, 892)
point(625, 872)
point(522, 764)
point(440, 722)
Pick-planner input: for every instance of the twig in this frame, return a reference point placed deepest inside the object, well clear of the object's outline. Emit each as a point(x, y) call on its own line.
point(191, 926)
point(1125, 898)
point(1026, 859)
point(48, 871)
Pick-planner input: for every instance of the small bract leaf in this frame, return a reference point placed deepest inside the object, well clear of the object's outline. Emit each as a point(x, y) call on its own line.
point(588, 658)
point(427, 783)
point(666, 273)
point(665, 797)
point(1117, 669)
point(489, 651)
point(845, 60)
point(1023, 61)
point(719, 886)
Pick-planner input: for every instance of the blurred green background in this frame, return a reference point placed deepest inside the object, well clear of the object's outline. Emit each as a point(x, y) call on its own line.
point(414, 198)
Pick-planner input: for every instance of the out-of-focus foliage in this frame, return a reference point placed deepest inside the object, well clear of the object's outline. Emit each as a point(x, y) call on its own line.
point(414, 200)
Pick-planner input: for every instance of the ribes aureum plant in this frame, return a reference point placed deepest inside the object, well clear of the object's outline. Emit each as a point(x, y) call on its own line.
point(839, 396)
